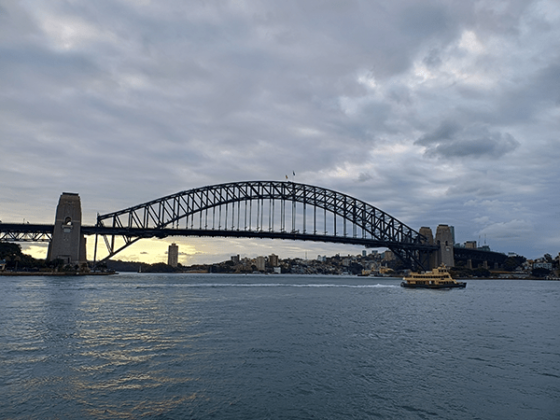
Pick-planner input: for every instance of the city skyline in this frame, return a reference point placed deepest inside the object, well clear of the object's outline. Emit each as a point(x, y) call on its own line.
point(434, 112)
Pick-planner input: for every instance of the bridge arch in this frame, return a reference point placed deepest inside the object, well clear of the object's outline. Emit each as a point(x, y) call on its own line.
point(264, 209)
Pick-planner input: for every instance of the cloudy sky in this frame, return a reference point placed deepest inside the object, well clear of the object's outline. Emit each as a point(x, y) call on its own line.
point(433, 111)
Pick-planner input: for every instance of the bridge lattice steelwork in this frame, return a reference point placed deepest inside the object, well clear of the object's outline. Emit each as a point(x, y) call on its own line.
point(264, 209)
point(25, 232)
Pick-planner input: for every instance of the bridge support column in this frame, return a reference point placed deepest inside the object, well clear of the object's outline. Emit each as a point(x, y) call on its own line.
point(469, 264)
point(444, 239)
point(432, 256)
point(68, 242)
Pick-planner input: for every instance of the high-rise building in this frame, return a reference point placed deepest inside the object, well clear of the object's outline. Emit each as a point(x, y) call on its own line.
point(261, 264)
point(173, 255)
point(452, 229)
point(273, 260)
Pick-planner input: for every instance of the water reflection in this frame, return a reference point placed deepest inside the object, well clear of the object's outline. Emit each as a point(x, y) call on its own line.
point(92, 350)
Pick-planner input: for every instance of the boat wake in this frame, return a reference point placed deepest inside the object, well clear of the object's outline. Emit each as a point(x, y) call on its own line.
point(287, 285)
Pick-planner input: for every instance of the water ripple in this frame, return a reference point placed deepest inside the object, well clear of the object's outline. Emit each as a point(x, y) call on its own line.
point(230, 347)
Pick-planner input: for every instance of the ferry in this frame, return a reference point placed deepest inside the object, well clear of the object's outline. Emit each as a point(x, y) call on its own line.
point(438, 278)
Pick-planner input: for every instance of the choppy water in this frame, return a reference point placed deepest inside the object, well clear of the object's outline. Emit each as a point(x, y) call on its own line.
point(276, 347)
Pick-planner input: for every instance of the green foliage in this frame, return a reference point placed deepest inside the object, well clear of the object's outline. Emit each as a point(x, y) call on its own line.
point(481, 272)
point(355, 268)
point(460, 271)
point(511, 263)
point(16, 259)
point(9, 250)
point(540, 272)
point(56, 263)
point(159, 268)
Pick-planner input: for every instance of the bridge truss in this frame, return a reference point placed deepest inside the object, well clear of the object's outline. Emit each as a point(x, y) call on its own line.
point(263, 209)
point(25, 232)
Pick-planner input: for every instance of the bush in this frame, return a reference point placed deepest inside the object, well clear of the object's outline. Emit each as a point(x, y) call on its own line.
point(481, 272)
point(540, 272)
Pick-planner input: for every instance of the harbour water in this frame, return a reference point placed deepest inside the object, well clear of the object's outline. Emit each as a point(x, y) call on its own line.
point(141, 346)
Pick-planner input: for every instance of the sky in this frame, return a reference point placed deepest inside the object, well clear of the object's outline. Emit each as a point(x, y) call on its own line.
point(436, 112)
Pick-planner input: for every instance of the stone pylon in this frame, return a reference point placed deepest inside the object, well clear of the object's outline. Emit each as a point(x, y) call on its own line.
point(68, 243)
point(432, 258)
point(444, 239)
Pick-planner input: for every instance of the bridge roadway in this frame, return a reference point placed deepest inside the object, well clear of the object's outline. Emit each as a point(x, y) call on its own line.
point(28, 232)
point(43, 233)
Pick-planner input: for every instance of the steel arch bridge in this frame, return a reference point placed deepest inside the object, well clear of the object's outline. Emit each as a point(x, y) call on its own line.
point(262, 209)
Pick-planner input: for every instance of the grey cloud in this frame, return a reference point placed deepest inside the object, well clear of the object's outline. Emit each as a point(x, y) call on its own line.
point(527, 100)
point(450, 140)
point(478, 190)
point(158, 97)
point(433, 59)
point(364, 177)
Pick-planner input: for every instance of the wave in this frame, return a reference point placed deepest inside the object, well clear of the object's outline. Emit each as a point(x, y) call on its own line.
point(310, 285)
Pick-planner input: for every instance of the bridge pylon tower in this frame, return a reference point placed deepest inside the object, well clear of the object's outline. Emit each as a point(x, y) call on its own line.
point(68, 242)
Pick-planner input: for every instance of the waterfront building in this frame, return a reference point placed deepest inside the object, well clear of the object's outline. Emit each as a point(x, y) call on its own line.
point(388, 256)
point(545, 265)
point(235, 259)
point(173, 255)
point(260, 263)
point(273, 260)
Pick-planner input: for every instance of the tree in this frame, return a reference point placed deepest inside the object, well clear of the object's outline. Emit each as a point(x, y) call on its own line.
point(9, 250)
point(511, 263)
point(540, 272)
point(481, 272)
point(355, 268)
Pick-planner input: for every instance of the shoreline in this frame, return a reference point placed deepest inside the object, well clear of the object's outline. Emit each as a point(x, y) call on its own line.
point(52, 273)
point(110, 273)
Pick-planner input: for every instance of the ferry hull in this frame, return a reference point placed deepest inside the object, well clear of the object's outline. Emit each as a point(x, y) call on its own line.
point(458, 284)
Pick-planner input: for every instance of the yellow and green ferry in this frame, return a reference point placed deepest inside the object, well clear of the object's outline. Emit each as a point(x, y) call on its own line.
point(438, 278)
